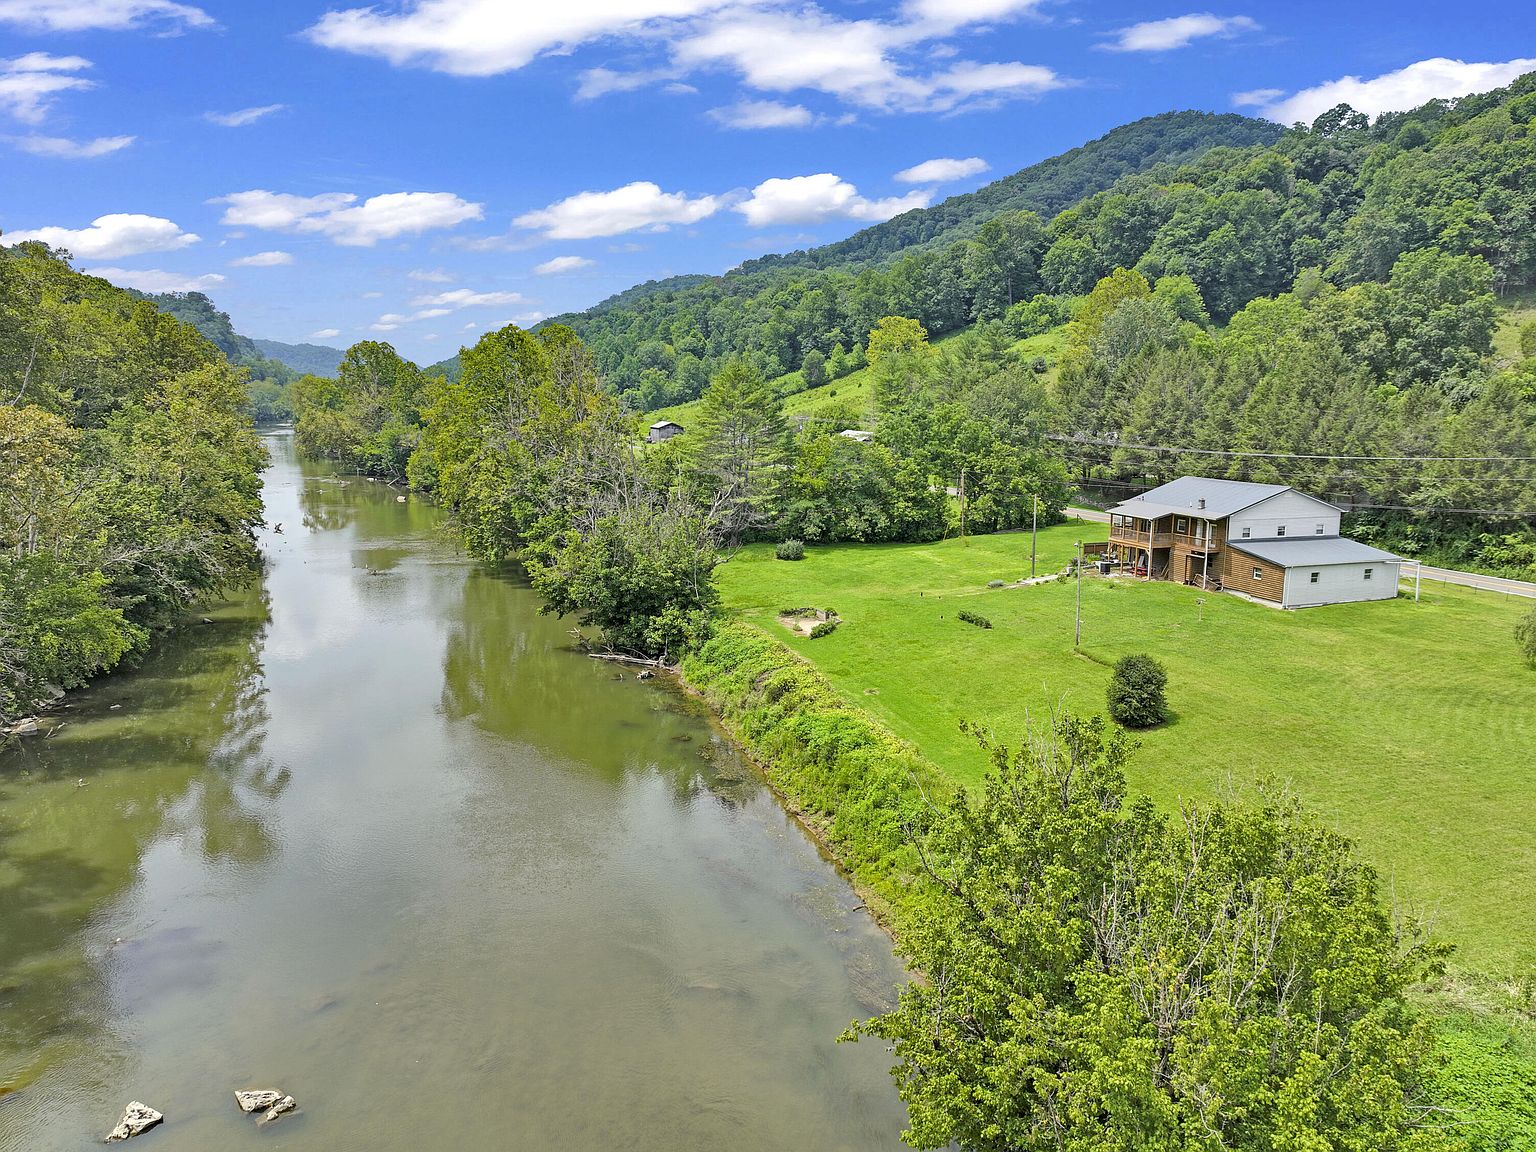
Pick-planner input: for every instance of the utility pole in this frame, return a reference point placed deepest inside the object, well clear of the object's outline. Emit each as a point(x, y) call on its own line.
point(1034, 528)
point(963, 541)
point(1078, 641)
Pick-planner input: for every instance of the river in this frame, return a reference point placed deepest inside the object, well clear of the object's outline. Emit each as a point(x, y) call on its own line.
point(373, 834)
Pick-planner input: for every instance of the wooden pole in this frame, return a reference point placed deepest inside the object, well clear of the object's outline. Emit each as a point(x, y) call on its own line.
point(1078, 639)
point(1034, 528)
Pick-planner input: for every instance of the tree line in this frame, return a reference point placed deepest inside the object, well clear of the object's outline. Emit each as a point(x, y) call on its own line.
point(129, 485)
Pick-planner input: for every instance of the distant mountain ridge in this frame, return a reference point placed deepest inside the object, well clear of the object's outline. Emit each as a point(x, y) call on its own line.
point(308, 359)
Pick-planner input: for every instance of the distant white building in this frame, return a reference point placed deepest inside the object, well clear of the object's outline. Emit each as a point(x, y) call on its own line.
point(858, 435)
point(1264, 540)
point(664, 430)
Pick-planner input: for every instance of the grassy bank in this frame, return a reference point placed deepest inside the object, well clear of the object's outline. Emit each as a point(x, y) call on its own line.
point(1409, 726)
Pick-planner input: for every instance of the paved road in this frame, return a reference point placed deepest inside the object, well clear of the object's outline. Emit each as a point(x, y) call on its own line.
point(1443, 575)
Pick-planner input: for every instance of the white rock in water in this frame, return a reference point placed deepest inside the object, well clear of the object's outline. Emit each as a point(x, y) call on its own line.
point(137, 1119)
point(399, 499)
point(258, 1099)
point(282, 1107)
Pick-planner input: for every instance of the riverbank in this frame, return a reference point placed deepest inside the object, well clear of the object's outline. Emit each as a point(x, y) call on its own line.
point(866, 793)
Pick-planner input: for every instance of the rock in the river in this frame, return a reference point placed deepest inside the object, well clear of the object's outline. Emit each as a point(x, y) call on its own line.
point(258, 1099)
point(646, 675)
point(281, 1108)
point(137, 1119)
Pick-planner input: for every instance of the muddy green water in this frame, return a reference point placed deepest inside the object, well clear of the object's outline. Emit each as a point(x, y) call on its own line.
point(376, 836)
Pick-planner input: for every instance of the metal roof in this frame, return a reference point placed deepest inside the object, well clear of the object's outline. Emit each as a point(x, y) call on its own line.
point(665, 424)
point(1222, 497)
point(1302, 551)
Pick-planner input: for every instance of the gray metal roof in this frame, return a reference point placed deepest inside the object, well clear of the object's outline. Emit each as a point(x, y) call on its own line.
point(1222, 497)
point(1305, 551)
point(665, 424)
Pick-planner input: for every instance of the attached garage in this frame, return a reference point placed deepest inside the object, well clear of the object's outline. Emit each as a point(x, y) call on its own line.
point(1320, 570)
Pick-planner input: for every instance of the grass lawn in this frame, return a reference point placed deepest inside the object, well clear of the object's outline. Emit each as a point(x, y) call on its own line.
point(1411, 727)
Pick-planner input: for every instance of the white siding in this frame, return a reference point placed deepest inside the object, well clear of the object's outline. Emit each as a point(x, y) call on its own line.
point(1340, 583)
point(1298, 514)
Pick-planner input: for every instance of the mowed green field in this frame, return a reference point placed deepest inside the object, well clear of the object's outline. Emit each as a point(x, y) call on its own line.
point(1410, 727)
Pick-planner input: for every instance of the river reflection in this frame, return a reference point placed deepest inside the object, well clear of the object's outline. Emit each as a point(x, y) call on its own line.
point(377, 836)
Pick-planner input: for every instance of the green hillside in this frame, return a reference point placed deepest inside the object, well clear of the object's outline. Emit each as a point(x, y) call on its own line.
point(307, 359)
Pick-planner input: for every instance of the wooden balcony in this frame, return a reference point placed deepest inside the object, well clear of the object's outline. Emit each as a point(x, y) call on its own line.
point(1128, 538)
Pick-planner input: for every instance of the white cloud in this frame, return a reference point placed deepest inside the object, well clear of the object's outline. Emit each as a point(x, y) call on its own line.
point(562, 264)
point(762, 114)
point(29, 84)
point(465, 298)
point(431, 276)
point(111, 237)
point(1257, 97)
point(941, 171)
point(627, 209)
point(103, 15)
point(154, 280)
point(1418, 83)
point(263, 260)
point(485, 37)
point(60, 148)
point(243, 117)
point(324, 334)
point(814, 199)
point(338, 215)
point(1177, 32)
point(432, 313)
point(772, 45)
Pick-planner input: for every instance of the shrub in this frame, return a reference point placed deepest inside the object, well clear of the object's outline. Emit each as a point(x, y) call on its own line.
point(797, 611)
point(973, 618)
point(790, 550)
point(825, 628)
point(1136, 697)
point(1525, 636)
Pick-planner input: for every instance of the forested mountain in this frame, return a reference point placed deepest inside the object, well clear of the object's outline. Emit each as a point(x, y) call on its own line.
point(305, 359)
point(1343, 196)
point(129, 481)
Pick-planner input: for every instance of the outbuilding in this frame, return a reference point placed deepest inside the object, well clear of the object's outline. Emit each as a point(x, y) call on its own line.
point(664, 430)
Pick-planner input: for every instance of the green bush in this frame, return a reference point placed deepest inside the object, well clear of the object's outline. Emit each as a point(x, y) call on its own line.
point(1525, 636)
point(825, 628)
point(1136, 692)
point(974, 618)
point(790, 550)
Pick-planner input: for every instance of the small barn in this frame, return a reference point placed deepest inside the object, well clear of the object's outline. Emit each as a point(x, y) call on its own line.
point(664, 430)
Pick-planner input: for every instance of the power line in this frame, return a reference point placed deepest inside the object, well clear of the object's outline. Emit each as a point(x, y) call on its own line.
point(1092, 441)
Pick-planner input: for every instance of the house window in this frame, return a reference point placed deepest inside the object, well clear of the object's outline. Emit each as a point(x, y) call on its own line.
point(1182, 526)
point(1367, 573)
point(1314, 578)
point(1258, 573)
point(1319, 530)
point(1247, 532)
point(1280, 531)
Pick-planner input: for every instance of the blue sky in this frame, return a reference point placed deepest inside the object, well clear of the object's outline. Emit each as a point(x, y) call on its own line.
point(422, 171)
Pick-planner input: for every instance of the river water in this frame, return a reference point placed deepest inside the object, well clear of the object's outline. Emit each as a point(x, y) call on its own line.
point(374, 835)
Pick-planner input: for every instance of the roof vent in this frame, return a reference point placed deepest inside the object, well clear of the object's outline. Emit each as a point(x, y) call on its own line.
point(1202, 503)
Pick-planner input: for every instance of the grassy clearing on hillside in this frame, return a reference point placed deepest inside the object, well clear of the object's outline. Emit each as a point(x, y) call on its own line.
point(1409, 726)
point(1519, 311)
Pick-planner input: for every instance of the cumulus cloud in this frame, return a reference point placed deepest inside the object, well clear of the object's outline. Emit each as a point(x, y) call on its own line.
point(154, 280)
point(324, 334)
point(61, 148)
point(818, 198)
point(1178, 32)
point(29, 84)
point(941, 171)
point(100, 15)
point(111, 237)
point(762, 114)
point(1257, 97)
point(466, 298)
point(771, 45)
point(263, 260)
point(627, 209)
point(242, 117)
point(337, 215)
point(562, 264)
point(1418, 83)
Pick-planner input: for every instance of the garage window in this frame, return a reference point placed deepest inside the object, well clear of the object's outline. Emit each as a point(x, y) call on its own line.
point(1258, 573)
point(1367, 573)
point(1319, 530)
point(1313, 579)
point(1280, 531)
point(1247, 532)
